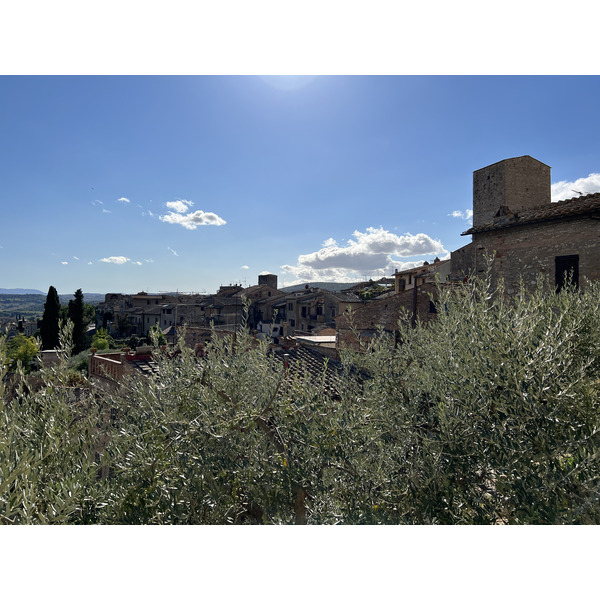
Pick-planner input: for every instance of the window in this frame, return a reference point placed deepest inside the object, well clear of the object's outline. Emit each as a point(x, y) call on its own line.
point(566, 269)
point(304, 311)
point(291, 306)
point(432, 308)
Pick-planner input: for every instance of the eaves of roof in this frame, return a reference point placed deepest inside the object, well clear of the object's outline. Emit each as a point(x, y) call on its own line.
point(565, 209)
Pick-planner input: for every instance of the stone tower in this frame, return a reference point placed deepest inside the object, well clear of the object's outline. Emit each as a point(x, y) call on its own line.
point(268, 279)
point(515, 183)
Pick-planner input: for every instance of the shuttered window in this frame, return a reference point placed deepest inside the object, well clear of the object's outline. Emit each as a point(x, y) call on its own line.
point(566, 270)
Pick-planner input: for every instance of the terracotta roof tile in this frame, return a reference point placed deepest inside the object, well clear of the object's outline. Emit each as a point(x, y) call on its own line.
point(574, 207)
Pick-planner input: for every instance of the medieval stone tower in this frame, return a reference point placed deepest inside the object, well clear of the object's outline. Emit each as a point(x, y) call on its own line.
point(515, 183)
point(268, 279)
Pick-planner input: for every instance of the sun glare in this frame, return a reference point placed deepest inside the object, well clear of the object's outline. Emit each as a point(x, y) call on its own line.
point(287, 82)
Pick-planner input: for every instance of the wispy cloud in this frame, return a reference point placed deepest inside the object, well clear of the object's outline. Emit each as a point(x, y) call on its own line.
point(245, 267)
point(563, 190)
point(116, 260)
point(180, 206)
point(369, 255)
point(173, 251)
point(97, 202)
point(193, 220)
point(123, 200)
point(178, 215)
point(467, 215)
point(76, 258)
point(106, 211)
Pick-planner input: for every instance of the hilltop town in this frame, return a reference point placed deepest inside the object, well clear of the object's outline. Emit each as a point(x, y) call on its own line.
point(480, 406)
point(513, 219)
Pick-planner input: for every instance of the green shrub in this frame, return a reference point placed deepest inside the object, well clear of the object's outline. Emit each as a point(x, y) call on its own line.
point(488, 414)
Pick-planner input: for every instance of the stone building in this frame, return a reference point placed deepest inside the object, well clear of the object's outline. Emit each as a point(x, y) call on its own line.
point(515, 220)
point(384, 313)
point(112, 367)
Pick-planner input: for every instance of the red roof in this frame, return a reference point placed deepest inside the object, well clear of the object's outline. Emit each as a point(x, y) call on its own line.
point(575, 207)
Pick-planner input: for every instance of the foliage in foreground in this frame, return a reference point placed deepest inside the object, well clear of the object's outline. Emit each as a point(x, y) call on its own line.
point(489, 414)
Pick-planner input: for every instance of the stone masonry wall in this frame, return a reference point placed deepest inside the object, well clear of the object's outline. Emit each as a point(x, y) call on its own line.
point(462, 262)
point(518, 183)
point(385, 313)
point(529, 250)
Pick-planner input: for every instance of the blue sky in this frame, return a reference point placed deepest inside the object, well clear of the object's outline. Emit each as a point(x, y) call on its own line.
point(129, 183)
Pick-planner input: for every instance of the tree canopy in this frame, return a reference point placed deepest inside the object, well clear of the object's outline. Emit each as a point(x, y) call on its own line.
point(50, 320)
point(76, 314)
point(489, 414)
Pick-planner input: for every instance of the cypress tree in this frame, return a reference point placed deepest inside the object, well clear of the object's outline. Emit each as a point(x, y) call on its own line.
point(49, 327)
point(76, 315)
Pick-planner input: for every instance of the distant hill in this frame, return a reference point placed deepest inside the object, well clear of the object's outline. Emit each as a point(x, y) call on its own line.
point(31, 306)
point(88, 298)
point(18, 291)
point(330, 286)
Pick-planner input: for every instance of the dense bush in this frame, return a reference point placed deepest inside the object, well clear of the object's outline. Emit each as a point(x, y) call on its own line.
point(487, 415)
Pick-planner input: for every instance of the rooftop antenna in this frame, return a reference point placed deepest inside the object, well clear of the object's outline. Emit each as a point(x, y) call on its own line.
point(577, 192)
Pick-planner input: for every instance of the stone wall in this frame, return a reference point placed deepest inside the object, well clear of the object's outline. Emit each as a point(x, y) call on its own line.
point(518, 183)
point(462, 262)
point(385, 313)
point(530, 250)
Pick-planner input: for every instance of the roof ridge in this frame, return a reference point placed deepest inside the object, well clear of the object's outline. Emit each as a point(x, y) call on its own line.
point(563, 208)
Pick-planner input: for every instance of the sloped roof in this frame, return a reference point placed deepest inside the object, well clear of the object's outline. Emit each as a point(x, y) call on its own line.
point(565, 209)
point(322, 370)
point(259, 288)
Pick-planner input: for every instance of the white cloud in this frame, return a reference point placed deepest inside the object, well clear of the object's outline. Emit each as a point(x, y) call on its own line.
point(75, 257)
point(137, 262)
point(90, 263)
point(369, 255)
point(173, 251)
point(563, 190)
point(116, 260)
point(64, 262)
point(123, 200)
point(467, 215)
point(245, 267)
point(193, 220)
point(96, 202)
point(106, 211)
point(179, 206)
point(148, 260)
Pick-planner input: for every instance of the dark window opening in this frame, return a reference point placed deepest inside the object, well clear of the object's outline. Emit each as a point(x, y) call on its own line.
point(432, 308)
point(566, 271)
